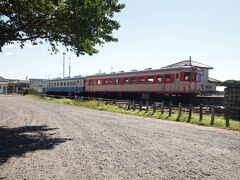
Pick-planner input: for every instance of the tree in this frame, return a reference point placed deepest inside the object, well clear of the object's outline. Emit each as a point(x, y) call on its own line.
point(231, 83)
point(79, 25)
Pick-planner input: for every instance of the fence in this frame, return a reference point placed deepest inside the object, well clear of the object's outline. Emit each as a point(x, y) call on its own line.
point(160, 107)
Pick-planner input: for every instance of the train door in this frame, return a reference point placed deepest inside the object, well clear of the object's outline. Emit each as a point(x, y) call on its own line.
point(193, 86)
point(177, 82)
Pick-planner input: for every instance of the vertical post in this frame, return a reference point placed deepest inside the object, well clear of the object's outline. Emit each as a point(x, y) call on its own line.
point(64, 64)
point(133, 105)
point(190, 113)
point(212, 115)
point(154, 107)
point(179, 111)
point(82, 99)
point(162, 107)
point(99, 100)
point(170, 109)
point(227, 117)
point(140, 105)
point(129, 104)
point(201, 112)
point(147, 106)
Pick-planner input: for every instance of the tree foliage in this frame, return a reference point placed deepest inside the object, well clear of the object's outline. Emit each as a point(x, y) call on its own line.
point(79, 25)
point(231, 83)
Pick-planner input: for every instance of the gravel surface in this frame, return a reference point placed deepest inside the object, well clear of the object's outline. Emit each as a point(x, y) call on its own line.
point(40, 140)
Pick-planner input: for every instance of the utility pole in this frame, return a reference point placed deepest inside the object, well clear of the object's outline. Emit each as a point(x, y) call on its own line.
point(64, 64)
point(69, 67)
point(190, 61)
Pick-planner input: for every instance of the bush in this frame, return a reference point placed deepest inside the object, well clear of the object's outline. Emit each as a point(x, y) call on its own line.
point(32, 91)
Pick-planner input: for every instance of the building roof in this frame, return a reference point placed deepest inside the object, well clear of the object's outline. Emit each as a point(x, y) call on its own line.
point(2, 79)
point(189, 63)
point(212, 80)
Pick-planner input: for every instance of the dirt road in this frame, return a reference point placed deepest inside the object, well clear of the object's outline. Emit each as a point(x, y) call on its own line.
point(40, 140)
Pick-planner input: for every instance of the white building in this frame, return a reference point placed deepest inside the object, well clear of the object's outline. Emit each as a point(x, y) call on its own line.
point(3, 85)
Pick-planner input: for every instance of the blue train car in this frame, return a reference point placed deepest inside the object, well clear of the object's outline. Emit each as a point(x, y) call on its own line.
point(69, 86)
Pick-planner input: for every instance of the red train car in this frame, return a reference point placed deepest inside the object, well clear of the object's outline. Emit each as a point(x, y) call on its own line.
point(171, 81)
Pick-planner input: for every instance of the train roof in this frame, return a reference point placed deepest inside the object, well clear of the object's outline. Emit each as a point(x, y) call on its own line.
point(189, 63)
point(63, 79)
point(147, 70)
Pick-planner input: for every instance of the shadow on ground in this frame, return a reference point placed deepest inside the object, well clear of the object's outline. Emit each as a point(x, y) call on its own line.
point(15, 142)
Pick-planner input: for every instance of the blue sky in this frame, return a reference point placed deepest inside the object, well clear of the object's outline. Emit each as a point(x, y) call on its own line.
point(153, 33)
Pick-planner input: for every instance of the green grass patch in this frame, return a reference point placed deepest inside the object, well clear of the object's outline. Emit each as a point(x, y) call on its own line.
point(219, 120)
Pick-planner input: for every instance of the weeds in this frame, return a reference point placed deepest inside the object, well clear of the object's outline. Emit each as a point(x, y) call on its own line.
point(219, 120)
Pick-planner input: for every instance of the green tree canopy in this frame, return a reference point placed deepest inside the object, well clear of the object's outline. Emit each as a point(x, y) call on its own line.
point(79, 25)
point(231, 83)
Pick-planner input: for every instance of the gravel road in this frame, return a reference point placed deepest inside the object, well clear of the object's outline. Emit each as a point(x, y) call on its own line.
point(40, 140)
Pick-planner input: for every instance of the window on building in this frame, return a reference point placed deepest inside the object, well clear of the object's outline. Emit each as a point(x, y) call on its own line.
point(141, 80)
point(160, 78)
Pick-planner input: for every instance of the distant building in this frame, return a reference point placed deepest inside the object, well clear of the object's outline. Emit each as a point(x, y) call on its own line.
point(36, 84)
point(3, 85)
point(208, 85)
point(19, 85)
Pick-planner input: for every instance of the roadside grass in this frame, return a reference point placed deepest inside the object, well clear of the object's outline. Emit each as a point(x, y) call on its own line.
point(219, 122)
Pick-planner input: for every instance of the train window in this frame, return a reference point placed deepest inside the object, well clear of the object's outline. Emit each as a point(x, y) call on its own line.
point(193, 77)
point(99, 81)
point(177, 76)
point(187, 76)
point(117, 81)
point(141, 80)
point(57, 84)
point(105, 81)
point(160, 78)
point(198, 77)
point(133, 80)
point(94, 81)
point(125, 81)
point(167, 78)
point(64, 84)
point(111, 81)
point(61, 84)
point(150, 79)
point(67, 83)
